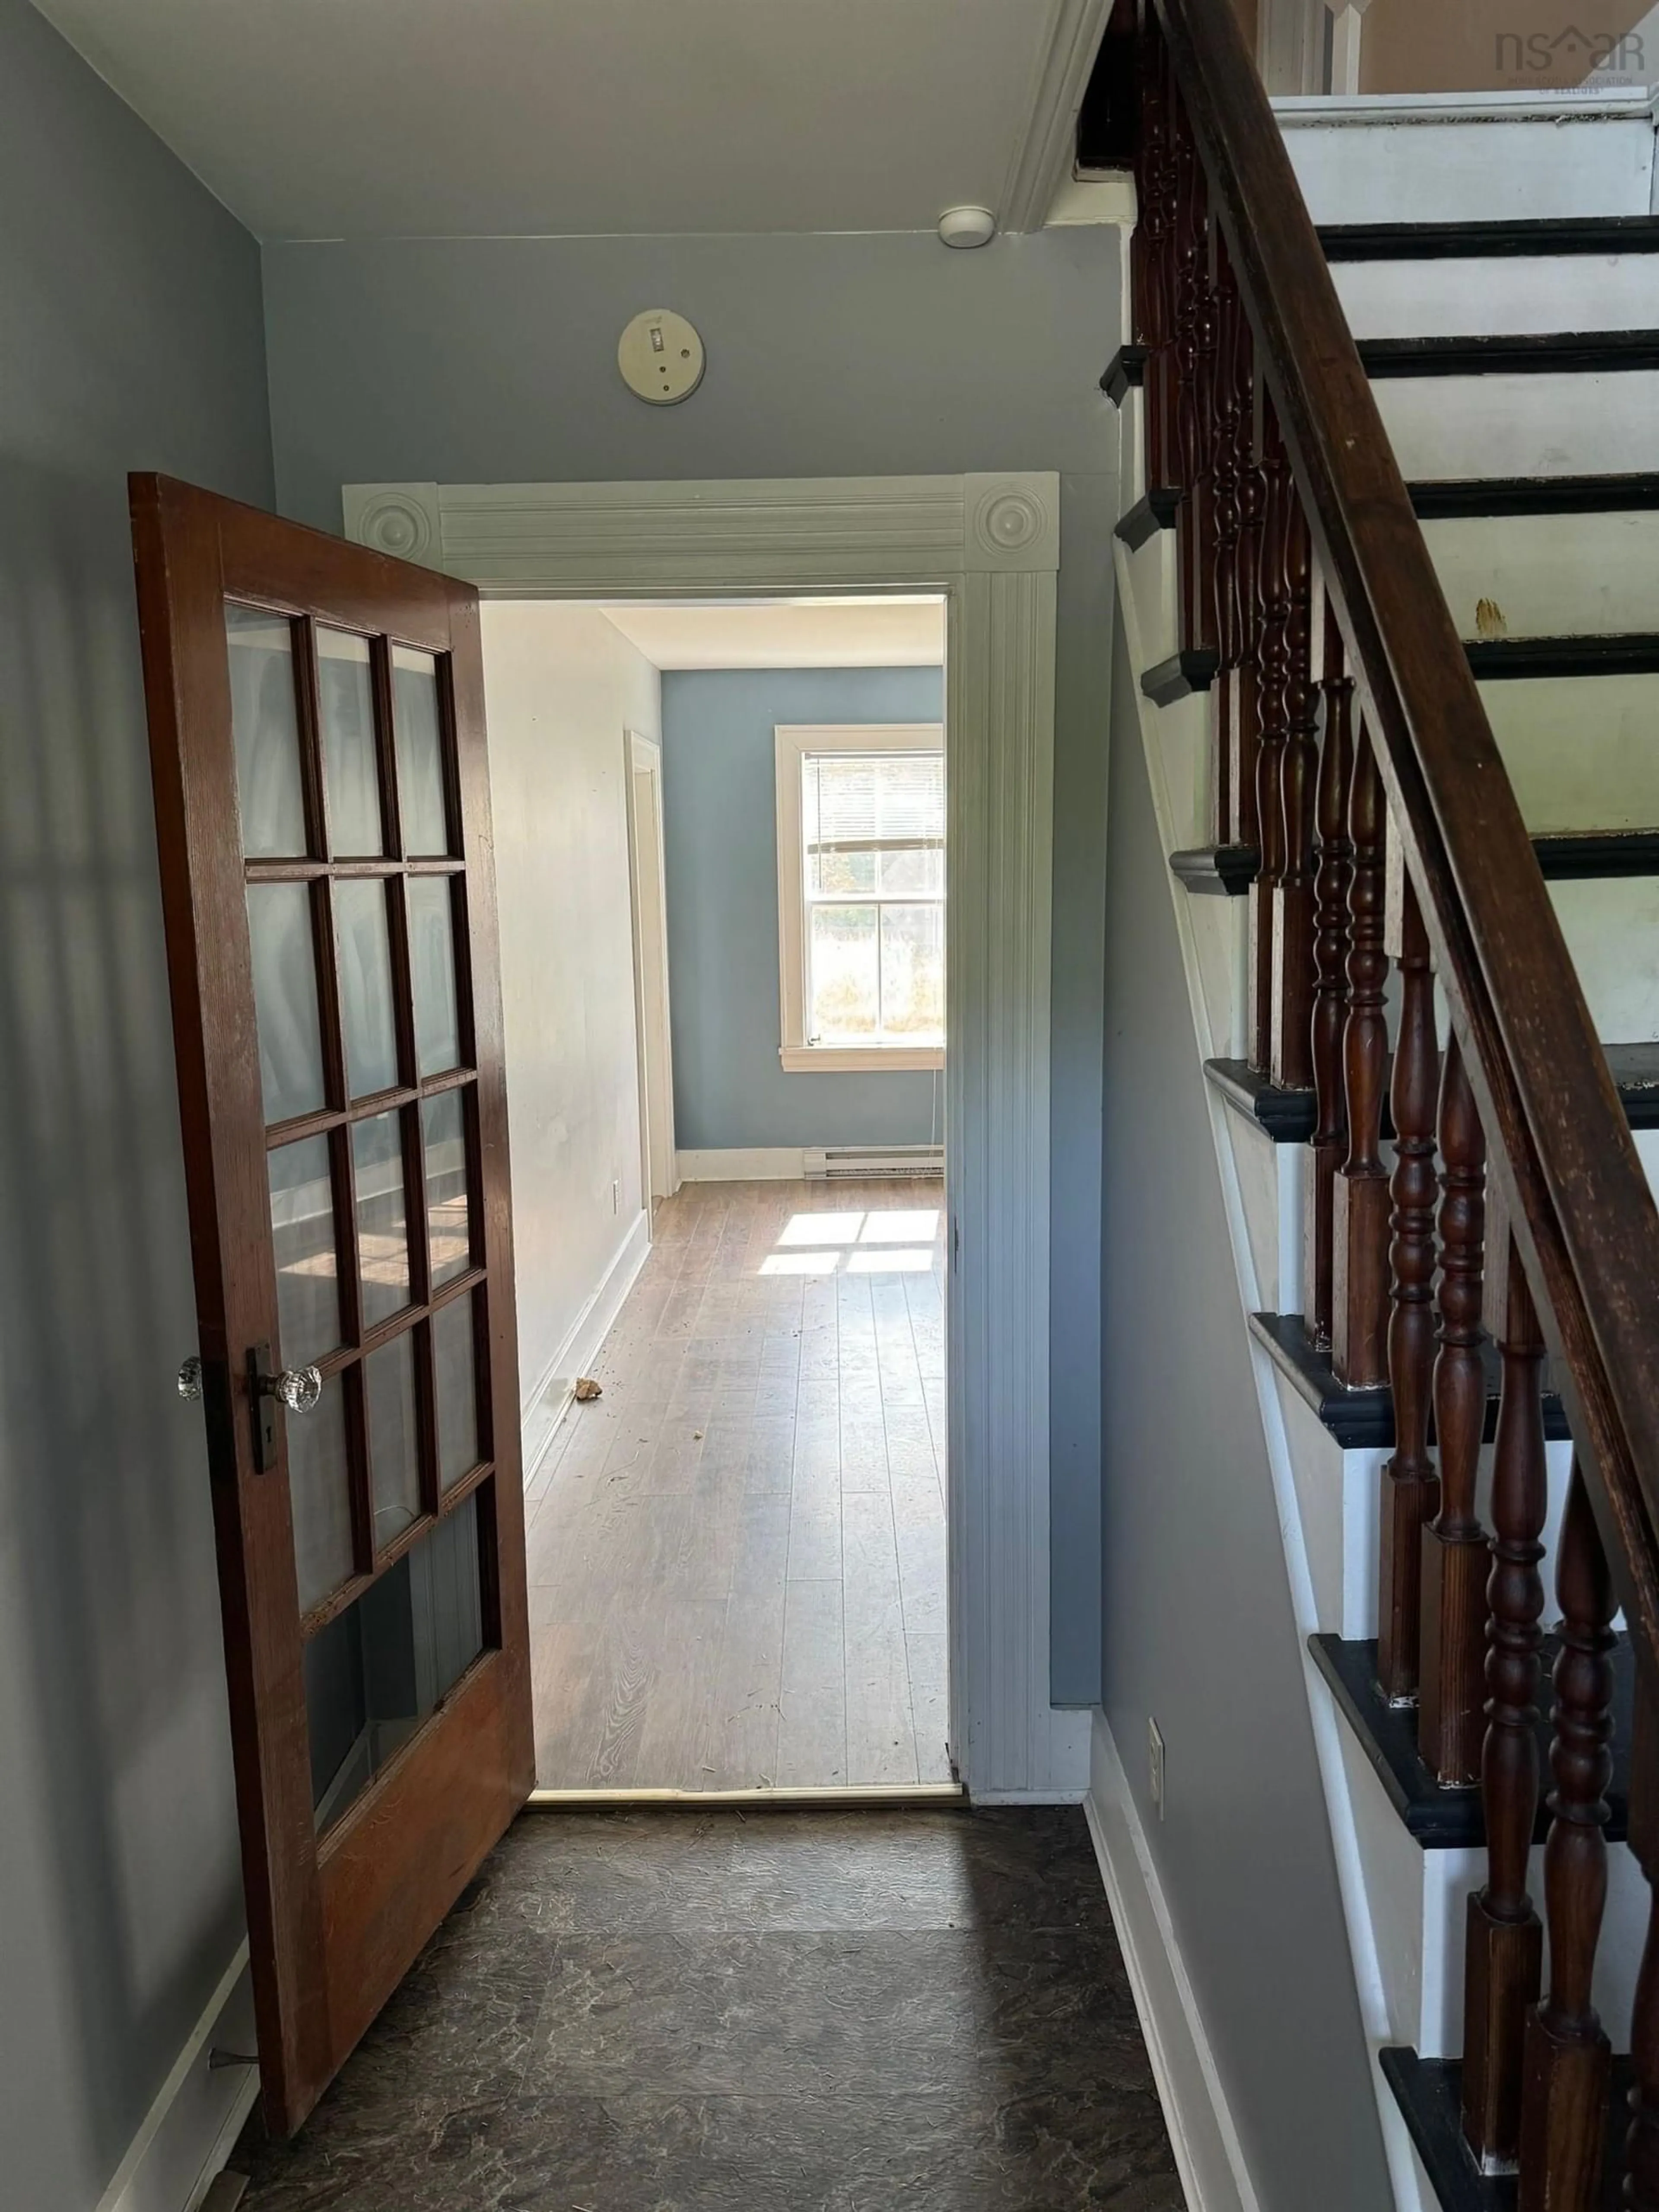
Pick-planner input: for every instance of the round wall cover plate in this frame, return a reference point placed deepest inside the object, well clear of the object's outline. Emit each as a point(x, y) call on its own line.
point(660, 357)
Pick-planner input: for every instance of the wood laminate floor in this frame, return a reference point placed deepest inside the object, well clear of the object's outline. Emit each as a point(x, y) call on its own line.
point(736, 1554)
point(698, 2012)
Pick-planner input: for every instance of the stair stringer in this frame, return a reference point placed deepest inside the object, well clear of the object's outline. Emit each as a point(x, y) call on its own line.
point(1211, 933)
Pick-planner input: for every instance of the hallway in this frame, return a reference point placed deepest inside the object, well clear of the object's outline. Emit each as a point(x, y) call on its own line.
point(803, 2012)
point(737, 1555)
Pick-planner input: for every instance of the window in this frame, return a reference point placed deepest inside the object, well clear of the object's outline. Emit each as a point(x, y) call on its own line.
point(861, 896)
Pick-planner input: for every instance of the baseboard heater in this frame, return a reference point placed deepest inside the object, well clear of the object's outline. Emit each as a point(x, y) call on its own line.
point(867, 1162)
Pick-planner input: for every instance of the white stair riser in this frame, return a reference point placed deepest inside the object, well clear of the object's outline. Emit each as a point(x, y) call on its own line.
point(1611, 931)
point(1597, 424)
point(1340, 1495)
point(1500, 297)
point(1582, 751)
point(1420, 1905)
point(1395, 170)
point(1548, 575)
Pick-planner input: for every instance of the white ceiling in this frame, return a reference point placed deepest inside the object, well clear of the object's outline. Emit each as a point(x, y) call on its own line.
point(333, 118)
point(885, 633)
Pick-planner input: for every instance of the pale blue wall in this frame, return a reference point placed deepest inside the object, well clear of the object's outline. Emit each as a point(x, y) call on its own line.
point(480, 361)
point(719, 829)
point(131, 338)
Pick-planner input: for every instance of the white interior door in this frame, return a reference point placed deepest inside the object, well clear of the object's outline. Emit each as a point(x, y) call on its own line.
point(645, 860)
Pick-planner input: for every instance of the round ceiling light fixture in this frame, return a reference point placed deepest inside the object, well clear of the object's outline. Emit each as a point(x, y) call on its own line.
point(965, 226)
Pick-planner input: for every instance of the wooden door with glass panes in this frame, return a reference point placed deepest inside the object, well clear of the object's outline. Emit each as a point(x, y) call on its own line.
point(317, 742)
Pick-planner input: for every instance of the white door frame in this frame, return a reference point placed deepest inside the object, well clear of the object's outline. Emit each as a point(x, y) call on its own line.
point(1291, 45)
point(642, 755)
point(991, 544)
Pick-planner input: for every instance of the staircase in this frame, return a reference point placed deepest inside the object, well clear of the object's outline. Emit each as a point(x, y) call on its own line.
point(1387, 567)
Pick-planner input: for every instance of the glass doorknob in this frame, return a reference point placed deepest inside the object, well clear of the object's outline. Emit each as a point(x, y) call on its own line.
point(190, 1379)
point(297, 1388)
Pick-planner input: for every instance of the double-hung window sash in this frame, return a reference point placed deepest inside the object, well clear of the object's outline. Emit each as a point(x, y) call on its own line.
point(873, 890)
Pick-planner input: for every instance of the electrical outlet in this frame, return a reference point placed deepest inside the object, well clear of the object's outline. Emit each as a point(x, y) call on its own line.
point(1155, 1763)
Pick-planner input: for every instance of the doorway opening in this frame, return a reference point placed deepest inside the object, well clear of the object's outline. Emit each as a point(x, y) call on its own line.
point(721, 849)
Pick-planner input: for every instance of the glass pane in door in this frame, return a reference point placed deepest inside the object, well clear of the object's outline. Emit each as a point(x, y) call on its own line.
point(285, 998)
point(394, 1458)
point(352, 771)
point(307, 1265)
point(371, 1037)
point(448, 1226)
point(454, 1358)
point(265, 730)
point(372, 1675)
point(377, 1159)
point(431, 966)
point(320, 1496)
point(419, 728)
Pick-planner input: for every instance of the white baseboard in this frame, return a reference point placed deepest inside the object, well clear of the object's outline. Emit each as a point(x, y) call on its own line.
point(192, 2128)
point(756, 1164)
point(1206, 2148)
point(547, 1404)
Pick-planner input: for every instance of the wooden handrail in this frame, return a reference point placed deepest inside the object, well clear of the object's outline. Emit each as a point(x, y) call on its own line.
point(1576, 1198)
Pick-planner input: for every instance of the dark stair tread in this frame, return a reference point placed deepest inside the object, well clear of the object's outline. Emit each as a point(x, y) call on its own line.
point(1565, 856)
point(1518, 659)
point(1579, 856)
point(1124, 372)
point(1526, 353)
point(1179, 677)
point(1455, 497)
point(1363, 1420)
point(1217, 871)
point(1454, 1819)
point(1540, 238)
point(1155, 511)
point(1429, 2092)
point(1555, 353)
point(1289, 1116)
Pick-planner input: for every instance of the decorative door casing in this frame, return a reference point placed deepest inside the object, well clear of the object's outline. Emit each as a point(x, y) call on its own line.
point(991, 544)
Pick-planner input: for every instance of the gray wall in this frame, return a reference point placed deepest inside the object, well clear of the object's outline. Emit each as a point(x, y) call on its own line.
point(720, 833)
point(130, 337)
point(483, 361)
point(1199, 1626)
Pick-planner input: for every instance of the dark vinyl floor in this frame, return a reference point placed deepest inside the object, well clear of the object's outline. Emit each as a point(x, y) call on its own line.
point(868, 2011)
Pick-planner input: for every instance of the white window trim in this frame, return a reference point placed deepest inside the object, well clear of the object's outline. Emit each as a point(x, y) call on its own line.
point(793, 741)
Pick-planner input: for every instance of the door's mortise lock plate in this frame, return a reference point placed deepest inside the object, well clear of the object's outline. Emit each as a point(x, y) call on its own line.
point(299, 1388)
point(264, 1406)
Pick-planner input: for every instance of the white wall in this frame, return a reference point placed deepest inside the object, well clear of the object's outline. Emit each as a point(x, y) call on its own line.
point(561, 685)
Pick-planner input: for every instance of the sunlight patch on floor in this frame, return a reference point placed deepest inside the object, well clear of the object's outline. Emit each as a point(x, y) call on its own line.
point(855, 1244)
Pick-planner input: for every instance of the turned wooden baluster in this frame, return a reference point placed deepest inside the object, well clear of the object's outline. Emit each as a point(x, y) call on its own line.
point(1226, 401)
point(1201, 549)
point(1274, 608)
point(1359, 1322)
point(1329, 1143)
point(1191, 265)
point(1641, 2189)
point(1503, 1942)
point(1565, 2100)
point(1154, 183)
point(1410, 1485)
point(1298, 769)
point(1245, 733)
point(1450, 1724)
